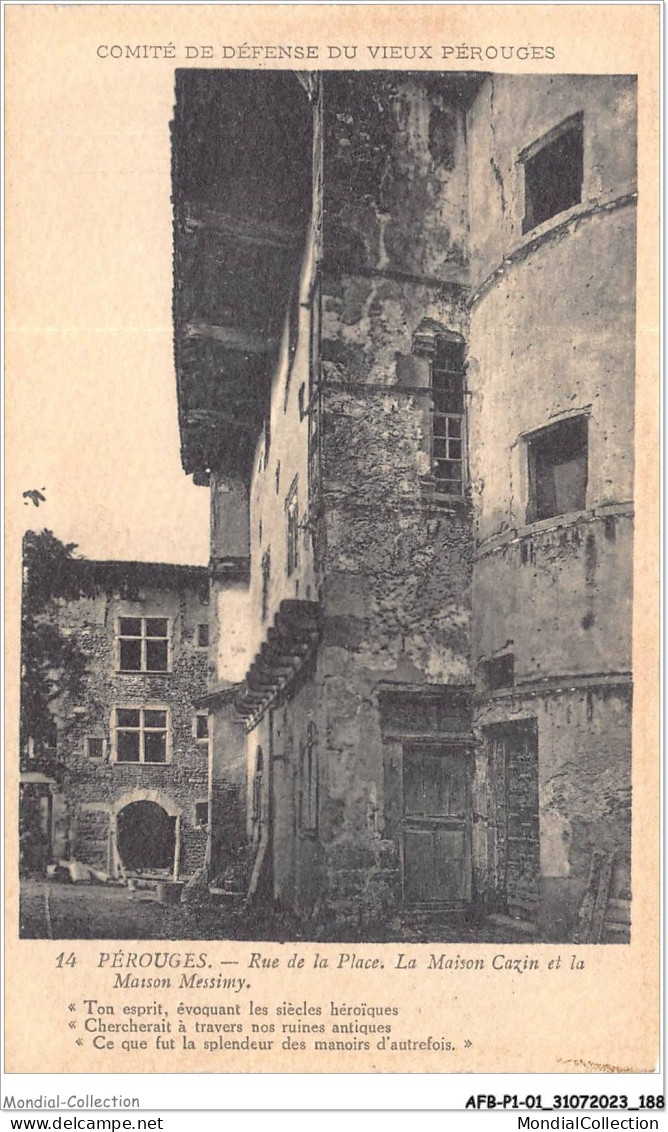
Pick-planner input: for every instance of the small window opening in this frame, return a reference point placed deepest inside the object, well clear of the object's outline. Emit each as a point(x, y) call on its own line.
point(292, 528)
point(267, 441)
point(203, 635)
point(265, 568)
point(553, 169)
point(499, 672)
point(293, 339)
point(201, 815)
point(558, 469)
point(95, 748)
point(202, 726)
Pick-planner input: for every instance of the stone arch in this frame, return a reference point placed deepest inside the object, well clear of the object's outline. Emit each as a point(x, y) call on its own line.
point(156, 796)
point(151, 798)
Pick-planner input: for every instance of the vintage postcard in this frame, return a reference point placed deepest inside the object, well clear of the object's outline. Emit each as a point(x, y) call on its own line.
point(332, 539)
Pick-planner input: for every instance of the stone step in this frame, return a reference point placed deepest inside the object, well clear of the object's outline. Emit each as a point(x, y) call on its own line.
point(226, 899)
point(500, 920)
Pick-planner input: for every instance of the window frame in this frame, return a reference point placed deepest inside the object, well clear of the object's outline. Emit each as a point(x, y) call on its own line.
point(143, 638)
point(446, 417)
point(498, 672)
point(574, 124)
point(141, 730)
point(201, 824)
point(531, 442)
point(95, 739)
point(204, 739)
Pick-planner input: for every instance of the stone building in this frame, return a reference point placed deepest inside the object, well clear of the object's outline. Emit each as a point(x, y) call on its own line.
point(404, 345)
point(132, 744)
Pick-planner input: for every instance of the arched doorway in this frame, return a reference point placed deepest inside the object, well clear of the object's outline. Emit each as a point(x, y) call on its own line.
point(145, 836)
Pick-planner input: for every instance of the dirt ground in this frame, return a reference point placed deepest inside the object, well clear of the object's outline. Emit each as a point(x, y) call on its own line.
point(52, 910)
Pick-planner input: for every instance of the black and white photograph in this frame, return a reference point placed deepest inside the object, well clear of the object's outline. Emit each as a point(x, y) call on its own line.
point(373, 683)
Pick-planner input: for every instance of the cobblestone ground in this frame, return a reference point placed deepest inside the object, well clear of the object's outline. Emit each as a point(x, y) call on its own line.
point(51, 910)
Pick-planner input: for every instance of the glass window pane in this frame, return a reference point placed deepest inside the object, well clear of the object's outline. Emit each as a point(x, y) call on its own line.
point(445, 402)
point(130, 626)
point(455, 449)
point(130, 655)
point(156, 656)
point(156, 626)
point(127, 717)
point(155, 746)
point(440, 446)
point(128, 746)
point(448, 475)
point(155, 718)
point(454, 426)
point(449, 355)
point(450, 402)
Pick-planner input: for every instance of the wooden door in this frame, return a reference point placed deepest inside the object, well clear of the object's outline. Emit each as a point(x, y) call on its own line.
point(436, 851)
point(513, 751)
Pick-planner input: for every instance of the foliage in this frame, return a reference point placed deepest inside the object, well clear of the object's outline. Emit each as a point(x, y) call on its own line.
point(52, 664)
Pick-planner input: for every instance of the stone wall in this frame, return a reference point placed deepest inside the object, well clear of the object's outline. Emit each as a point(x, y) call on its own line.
point(228, 789)
point(96, 790)
point(396, 592)
point(418, 229)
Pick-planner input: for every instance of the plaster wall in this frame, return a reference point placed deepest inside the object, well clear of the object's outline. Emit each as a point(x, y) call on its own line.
point(232, 622)
point(541, 350)
point(282, 461)
point(584, 740)
point(227, 788)
point(552, 335)
point(559, 598)
point(510, 113)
